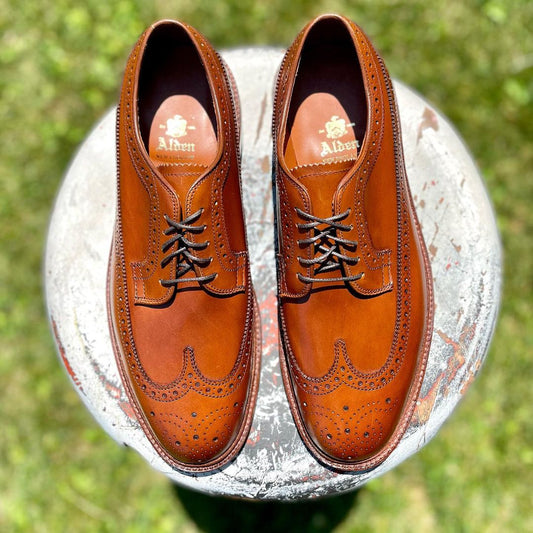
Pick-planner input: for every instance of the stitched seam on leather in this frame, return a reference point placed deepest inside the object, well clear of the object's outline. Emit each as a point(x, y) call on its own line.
point(279, 104)
point(151, 225)
point(281, 96)
point(215, 175)
point(367, 168)
point(393, 350)
point(246, 337)
point(237, 442)
point(155, 386)
point(429, 314)
point(367, 380)
point(142, 171)
point(414, 390)
point(292, 262)
point(129, 122)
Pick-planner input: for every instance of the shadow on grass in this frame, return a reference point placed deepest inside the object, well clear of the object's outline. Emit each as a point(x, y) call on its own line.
point(218, 514)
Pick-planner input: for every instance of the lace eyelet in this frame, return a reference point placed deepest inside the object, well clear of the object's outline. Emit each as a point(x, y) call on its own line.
point(327, 245)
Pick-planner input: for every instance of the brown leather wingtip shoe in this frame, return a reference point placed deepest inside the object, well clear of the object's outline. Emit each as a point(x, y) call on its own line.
point(182, 312)
point(355, 287)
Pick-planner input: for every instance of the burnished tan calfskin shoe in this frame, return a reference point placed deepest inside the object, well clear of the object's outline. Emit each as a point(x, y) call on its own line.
point(182, 311)
point(355, 287)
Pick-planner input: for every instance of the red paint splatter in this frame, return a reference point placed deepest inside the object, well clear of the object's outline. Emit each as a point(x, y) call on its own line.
point(62, 354)
point(116, 393)
point(127, 409)
point(429, 120)
point(254, 438)
point(113, 391)
point(319, 477)
point(426, 403)
point(472, 373)
point(269, 321)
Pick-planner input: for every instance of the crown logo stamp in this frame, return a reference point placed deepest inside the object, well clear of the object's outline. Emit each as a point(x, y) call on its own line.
point(176, 127)
point(336, 127)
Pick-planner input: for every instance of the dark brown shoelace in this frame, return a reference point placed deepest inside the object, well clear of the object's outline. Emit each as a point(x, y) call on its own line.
point(184, 258)
point(328, 245)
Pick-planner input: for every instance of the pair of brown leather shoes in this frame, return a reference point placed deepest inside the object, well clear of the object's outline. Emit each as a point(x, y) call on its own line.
point(355, 298)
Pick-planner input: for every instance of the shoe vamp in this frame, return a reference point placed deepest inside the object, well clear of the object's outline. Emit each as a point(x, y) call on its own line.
point(336, 317)
point(212, 328)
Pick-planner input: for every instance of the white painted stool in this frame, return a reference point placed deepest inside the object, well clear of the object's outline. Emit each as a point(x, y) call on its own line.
point(459, 228)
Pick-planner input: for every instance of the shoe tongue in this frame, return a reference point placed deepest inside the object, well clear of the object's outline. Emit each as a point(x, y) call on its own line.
point(181, 177)
point(321, 181)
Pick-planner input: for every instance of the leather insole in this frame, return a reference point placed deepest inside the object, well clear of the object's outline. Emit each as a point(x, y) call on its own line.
point(176, 114)
point(181, 132)
point(327, 119)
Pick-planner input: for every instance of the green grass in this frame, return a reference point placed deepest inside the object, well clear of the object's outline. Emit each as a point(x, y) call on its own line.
point(60, 69)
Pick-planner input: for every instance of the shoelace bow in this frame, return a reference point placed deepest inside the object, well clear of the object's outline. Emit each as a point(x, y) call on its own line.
point(185, 259)
point(329, 245)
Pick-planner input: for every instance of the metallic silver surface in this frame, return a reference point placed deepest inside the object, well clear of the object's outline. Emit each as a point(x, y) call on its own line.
point(460, 232)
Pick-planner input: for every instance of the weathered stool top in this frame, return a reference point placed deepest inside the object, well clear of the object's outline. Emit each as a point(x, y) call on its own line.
point(462, 240)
